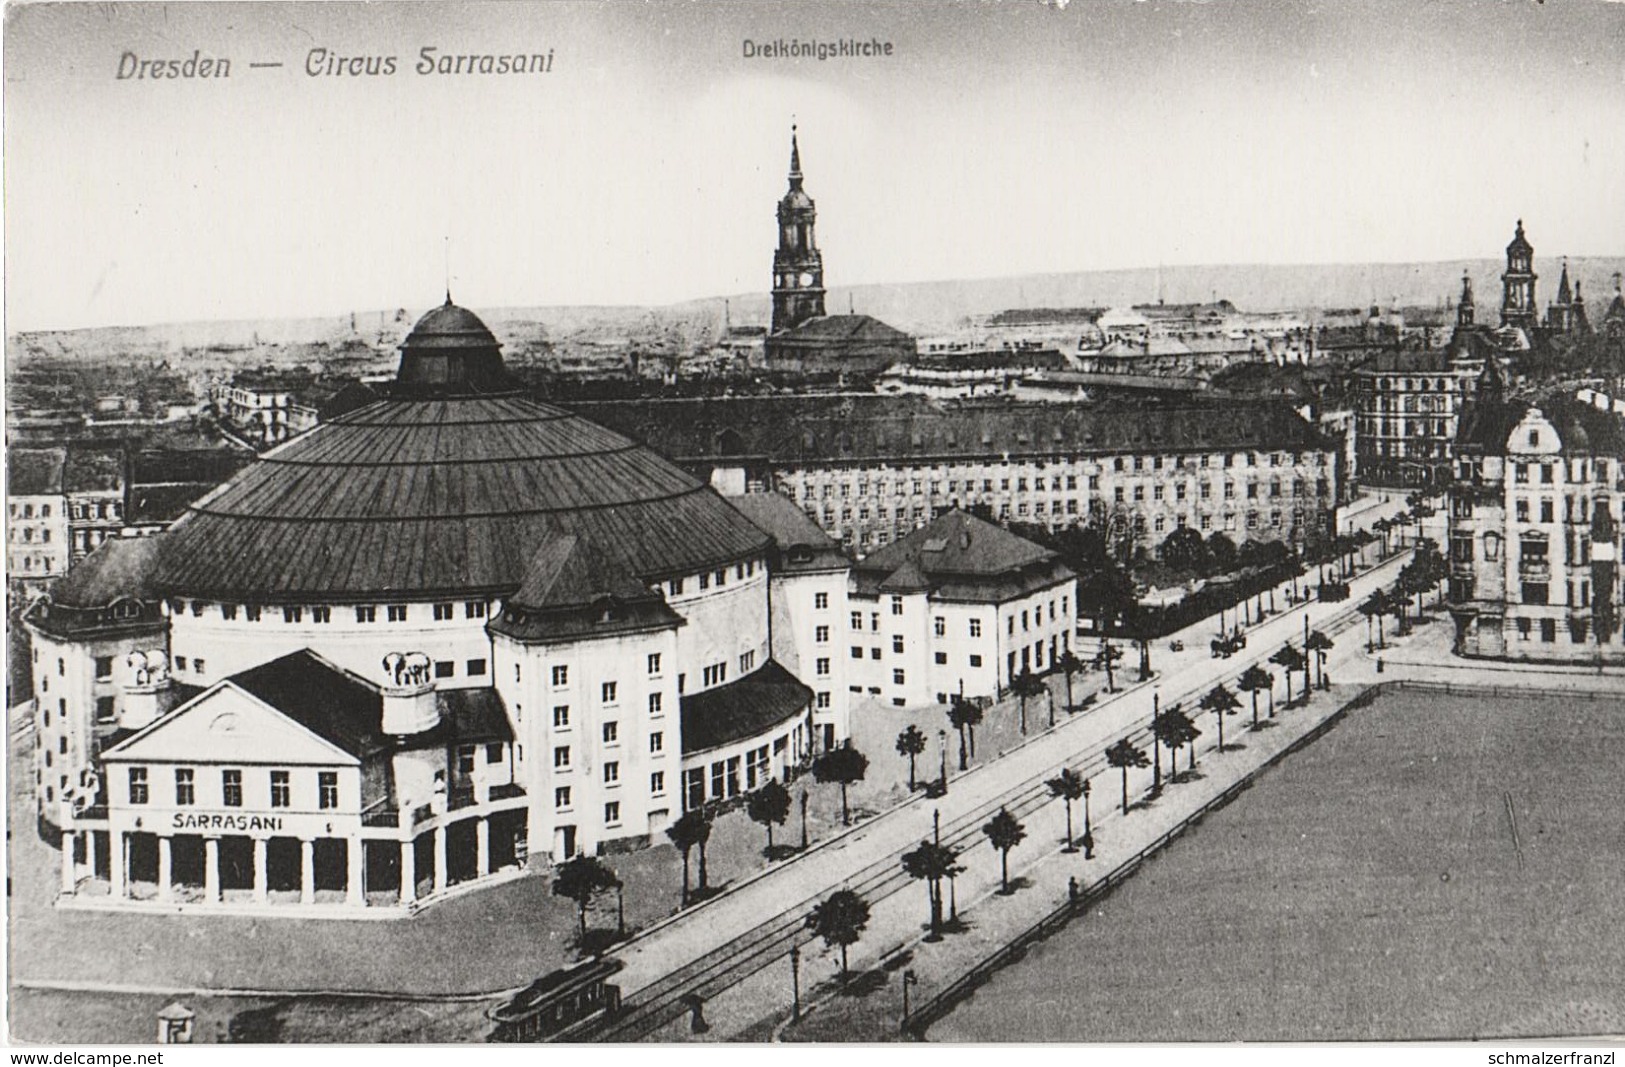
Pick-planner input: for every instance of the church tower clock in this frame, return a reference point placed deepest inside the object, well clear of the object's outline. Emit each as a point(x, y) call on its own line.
point(1518, 284)
point(798, 266)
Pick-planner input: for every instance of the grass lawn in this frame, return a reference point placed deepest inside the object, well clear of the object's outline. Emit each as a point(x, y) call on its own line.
point(1433, 868)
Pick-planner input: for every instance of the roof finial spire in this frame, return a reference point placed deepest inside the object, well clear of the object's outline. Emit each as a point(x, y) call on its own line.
point(448, 269)
point(795, 156)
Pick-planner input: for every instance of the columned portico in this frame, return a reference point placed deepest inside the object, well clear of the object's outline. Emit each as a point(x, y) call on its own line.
point(307, 870)
point(119, 869)
point(354, 885)
point(259, 870)
point(211, 870)
point(165, 888)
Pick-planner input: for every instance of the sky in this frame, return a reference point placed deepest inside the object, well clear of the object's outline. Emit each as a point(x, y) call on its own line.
point(998, 138)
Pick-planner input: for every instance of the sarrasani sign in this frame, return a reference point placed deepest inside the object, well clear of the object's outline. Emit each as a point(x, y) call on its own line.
point(252, 823)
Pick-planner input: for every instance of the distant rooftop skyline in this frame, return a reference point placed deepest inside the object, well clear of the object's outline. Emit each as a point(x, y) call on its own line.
point(644, 166)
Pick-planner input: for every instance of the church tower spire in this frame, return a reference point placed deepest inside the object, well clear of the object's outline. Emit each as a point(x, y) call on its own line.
point(1518, 283)
point(1465, 309)
point(798, 265)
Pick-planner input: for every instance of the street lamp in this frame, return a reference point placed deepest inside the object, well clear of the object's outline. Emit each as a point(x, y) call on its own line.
point(942, 749)
point(795, 983)
point(1088, 834)
point(1156, 746)
point(909, 979)
point(620, 909)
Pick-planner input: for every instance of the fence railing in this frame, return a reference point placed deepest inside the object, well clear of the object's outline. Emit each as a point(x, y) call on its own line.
point(944, 1000)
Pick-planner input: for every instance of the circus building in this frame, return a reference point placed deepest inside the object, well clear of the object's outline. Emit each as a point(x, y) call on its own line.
point(417, 647)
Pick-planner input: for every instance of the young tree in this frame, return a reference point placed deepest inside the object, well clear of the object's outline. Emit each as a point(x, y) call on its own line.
point(1251, 681)
point(1221, 553)
point(1175, 730)
point(1068, 785)
point(840, 920)
point(692, 829)
point(1005, 833)
point(1185, 550)
point(931, 863)
point(770, 806)
point(1123, 756)
point(1069, 664)
point(1027, 685)
point(1288, 659)
point(1319, 644)
point(1382, 526)
point(965, 715)
point(1373, 607)
point(910, 743)
point(845, 766)
point(1108, 655)
point(1221, 702)
point(581, 879)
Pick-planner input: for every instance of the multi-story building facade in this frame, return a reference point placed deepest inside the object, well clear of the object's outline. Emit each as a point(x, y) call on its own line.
point(1534, 523)
point(957, 607)
point(869, 469)
point(432, 637)
point(37, 519)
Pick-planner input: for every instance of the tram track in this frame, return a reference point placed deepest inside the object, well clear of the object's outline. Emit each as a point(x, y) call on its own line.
point(669, 997)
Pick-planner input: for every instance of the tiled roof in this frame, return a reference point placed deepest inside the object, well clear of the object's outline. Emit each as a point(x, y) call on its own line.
point(958, 556)
point(844, 329)
point(434, 496)
point(161, 504)
point(749, 707)
point(330, 702)
point(347, 710)
point(802, 544)
point(35, 471)
point(120, 567)
point(94, 470)
point(790, 431)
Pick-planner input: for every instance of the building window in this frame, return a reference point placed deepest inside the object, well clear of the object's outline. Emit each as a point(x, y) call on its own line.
point(655, 704)
point(612, 772)
point(857, 651)
point(747, 662)
point(442, 612)
point(321, 614)
point(185, 786)
point(939, 626)
point(180, 663)
point(561, 757)
point(493, 752)
point(1548, 627)
point(607, 691)
point(327, 790)
point(674, 587)
point(821, 634)
point(657, 783)
point(474, 609)
point(896, 605)
point(104, 668)
point(444, 668)
point(280, 791)
point(138, 785)
point(657, 742)
point(897, 677)
point(821, 601)
point(654, 664)
point(251, 612)
point(821, 700)
point(976, 660)
point(612, 810)
point(293, 613)
point(476, 666)
point(561, 676)
point(612, 733)
point(395, 613)
point(231, 788)
point(857, 620)
point(104, 709)
point(976, 627)
point(561, 717)
point(366, 613)
point(823, 667)
point(561, 798)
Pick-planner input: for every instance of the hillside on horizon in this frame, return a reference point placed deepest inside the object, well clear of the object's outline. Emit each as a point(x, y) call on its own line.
point(920, 307)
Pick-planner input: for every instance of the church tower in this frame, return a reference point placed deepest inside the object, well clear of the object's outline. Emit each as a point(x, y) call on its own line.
point(798, 266)
point(1464, 310)
point(1560, 315)
point(1518, 284)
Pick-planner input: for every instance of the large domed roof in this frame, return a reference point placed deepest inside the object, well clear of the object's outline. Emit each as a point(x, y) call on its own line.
point(446, 488)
